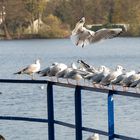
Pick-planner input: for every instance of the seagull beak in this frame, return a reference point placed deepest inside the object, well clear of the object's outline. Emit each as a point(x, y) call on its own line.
point(83, 46)
point(124, 70)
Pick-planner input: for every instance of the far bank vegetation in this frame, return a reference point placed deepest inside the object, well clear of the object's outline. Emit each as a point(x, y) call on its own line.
point(56, 18)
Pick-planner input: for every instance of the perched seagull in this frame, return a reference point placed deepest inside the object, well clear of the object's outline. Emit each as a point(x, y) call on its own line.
point(131, 80)
point(123, 76)
point(46, 71)
point(82, 36)
point(103, 72)
point(87, 67)
point(135, 83)
point(31, 69)
point(96, 76)
point(64, 72)
point(53, 69)
point(94, 137)
point(74, 75)
point(112, 76)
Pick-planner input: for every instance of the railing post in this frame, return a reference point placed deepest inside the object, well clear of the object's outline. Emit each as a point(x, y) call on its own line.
point(50, 111)
point(78, 113)
point(110, 115)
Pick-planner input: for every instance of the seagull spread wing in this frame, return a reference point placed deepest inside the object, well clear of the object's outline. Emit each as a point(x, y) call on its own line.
point(105, 34)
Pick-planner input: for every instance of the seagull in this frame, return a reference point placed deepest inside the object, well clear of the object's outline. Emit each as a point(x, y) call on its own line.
point(131, 80)
point(46, 71)
point(74, 75)
point(123, 76)
point(31, 69)
point(82, 36)
point(94, 137)
point(96, 76)
point(87, 67)
point(64, 72)
point(103, 72)
point(53, 69)
point(135, 83)
point(112, 76)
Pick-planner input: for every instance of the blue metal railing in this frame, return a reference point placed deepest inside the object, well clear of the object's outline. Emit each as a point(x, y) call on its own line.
point(78, 109)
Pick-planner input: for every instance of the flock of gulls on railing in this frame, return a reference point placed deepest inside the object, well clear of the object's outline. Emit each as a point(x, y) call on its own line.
point(101, 76)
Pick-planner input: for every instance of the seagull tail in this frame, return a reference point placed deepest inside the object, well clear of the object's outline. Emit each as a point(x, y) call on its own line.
point(85, 64)
point(43, 75)
point(39, 72)
point(19, 72)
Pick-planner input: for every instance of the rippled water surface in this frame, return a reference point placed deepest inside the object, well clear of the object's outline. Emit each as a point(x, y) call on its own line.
point(30, 100)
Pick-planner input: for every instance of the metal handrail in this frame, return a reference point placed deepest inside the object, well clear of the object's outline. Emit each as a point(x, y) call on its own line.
point(78, 109)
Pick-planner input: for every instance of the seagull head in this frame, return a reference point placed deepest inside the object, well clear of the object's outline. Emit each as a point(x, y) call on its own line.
point(78, 61)
point(102, 68)
point(37, 61)
point(94, 137)
point(82, 20)
point(80, 23)
point(120, 68)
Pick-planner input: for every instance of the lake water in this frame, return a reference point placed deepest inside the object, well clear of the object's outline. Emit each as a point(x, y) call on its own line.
point(30, 101)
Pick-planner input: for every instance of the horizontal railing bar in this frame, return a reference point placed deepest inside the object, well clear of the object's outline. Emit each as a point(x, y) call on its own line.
point(124, 137)
point(64, 124)
point(95, 131)
point(23, 119)
point(116, 92)
point(23, 81)
point(83, 128)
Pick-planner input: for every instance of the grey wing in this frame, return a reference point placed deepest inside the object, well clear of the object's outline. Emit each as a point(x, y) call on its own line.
point(134, 84)
point(118, 79)
point(45, 71)
point(106, 80)
point(97, 78)
point(105, 34)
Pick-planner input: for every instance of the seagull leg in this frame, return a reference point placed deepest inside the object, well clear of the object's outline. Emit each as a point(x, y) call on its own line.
point(113, 87)
point(136, 90)
point(77, 82)
point(97, 85)
point(94, 85)
point(125, 88)
point(32, 75)
point(57, 79)
point(68, 81)
point(84, 82)
point(51, 78)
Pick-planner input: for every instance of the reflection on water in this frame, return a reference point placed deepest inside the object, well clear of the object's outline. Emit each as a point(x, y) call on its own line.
point(30, 100)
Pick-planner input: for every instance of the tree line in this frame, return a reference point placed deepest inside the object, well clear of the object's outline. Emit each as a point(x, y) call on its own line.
point(58, 17)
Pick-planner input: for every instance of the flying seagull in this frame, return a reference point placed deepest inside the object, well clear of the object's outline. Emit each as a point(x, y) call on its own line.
point(31, 69)
point(82, 36)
